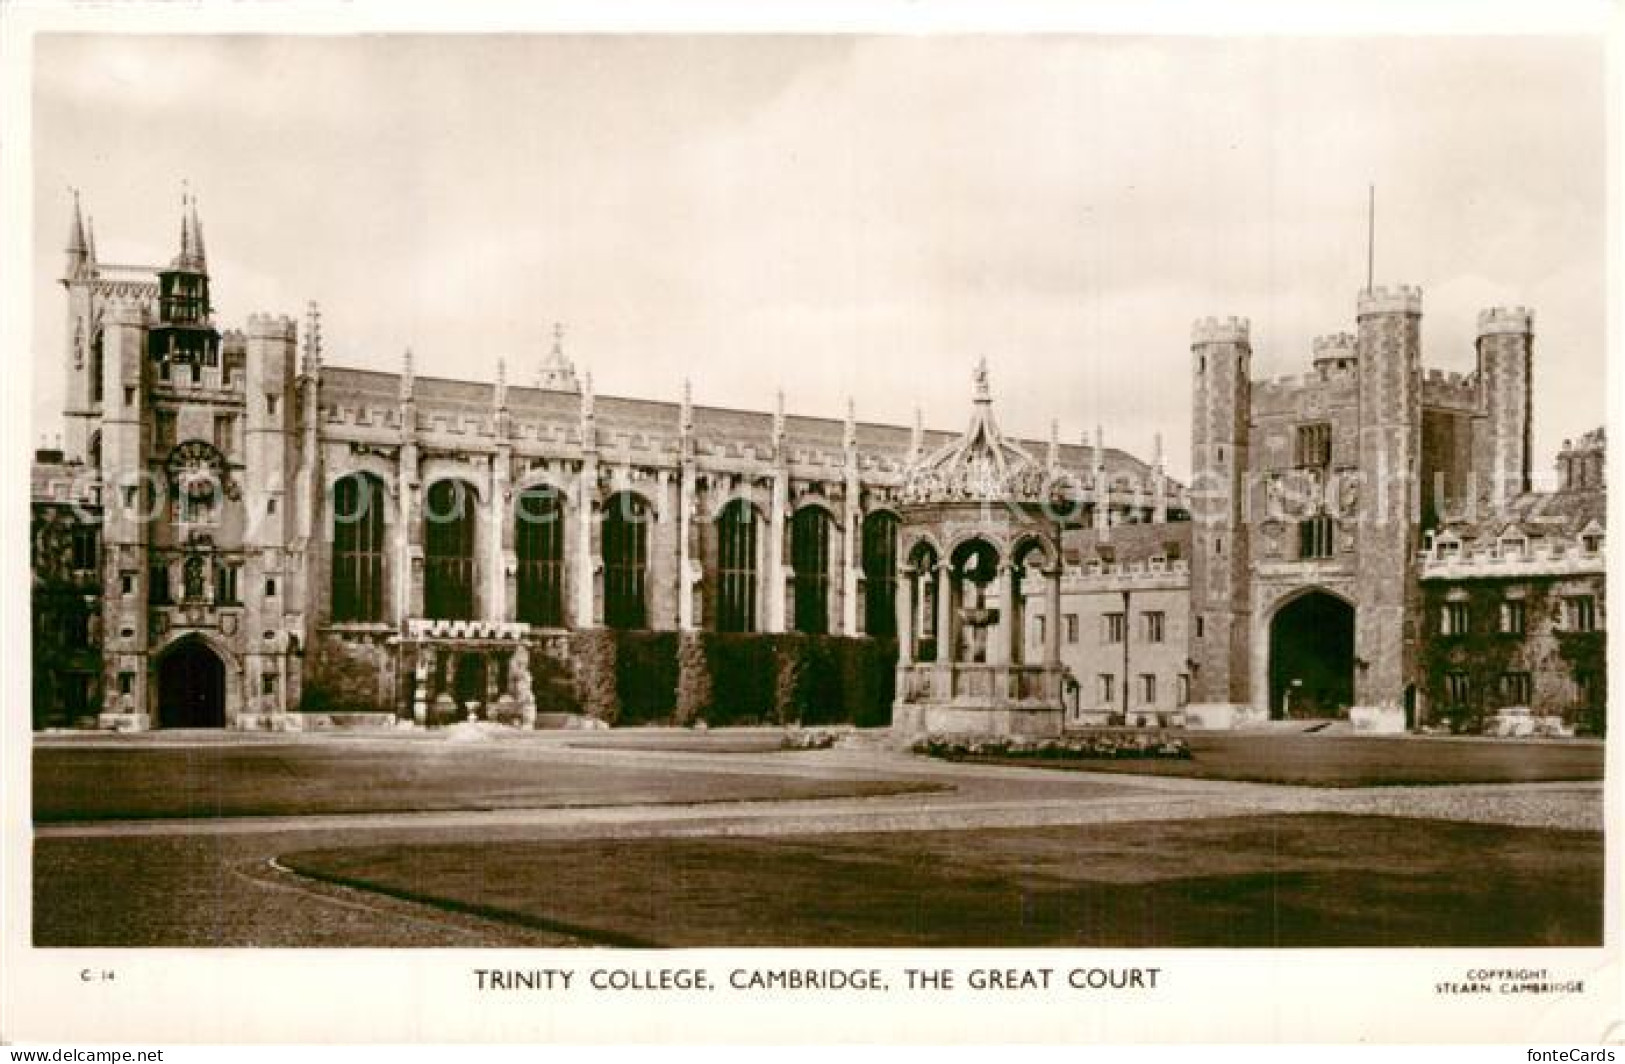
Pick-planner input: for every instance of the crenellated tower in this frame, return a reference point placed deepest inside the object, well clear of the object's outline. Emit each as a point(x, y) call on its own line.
point(1501, 439)
point(1221, 356)
point(1389, 454)
point(131, 501)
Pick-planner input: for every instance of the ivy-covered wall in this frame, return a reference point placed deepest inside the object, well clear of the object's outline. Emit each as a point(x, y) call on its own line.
point(1553, 657)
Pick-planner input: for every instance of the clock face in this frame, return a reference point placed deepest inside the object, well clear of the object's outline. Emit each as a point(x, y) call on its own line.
point(197, 468)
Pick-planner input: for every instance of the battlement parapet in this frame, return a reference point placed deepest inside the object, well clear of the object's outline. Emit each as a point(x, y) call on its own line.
point(1400, 299)
point(271, 327)
point(1500, 321)
point(1335, 345)
point(1230, 330)
point(1453, 390)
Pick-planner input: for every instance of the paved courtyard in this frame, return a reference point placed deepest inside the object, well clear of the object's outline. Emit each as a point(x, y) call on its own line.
point(673, 838)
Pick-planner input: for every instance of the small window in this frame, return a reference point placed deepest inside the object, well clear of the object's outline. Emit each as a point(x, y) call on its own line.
point(270, 587)
point(1513, 617)
point(1071, 628)
point(86, 547)
point(1201, 626)
point(1453, 619)
point(126, 583)
point(1107, 687)
point(1111, 628)
point(1148, 689)
point(270, 506)
point(126, 682)
point(1183, 689)
point(1315, 537)
point(225, 585)
point(1515, 688)
point(1038, 629)
point(270, 405)
point(268, 683)
point(1591, 543)
point(223, 432)
point(129, 396)
point(1458, 689)
point(1155, 626)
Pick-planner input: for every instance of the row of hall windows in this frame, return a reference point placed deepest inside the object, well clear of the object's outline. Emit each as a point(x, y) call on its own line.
point(359, 547)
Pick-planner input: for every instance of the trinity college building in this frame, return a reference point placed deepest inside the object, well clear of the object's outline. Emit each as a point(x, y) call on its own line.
point(236, 533)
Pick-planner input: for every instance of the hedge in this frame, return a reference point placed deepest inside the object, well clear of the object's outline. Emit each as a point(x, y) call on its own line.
point(646, 677)
point(733, 679)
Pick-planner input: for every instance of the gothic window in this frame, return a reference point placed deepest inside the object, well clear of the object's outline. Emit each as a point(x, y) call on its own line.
point(1314, 446)
point(626, 561)
point(1315, 537)
point(539, 545)
point(880, 574)
point(1453, 619)
point(96, 360)
point(448, 551)
point(358, 549)
point(1516, 688)
point(1458, 689)
point(736, 567)
point(809, 556)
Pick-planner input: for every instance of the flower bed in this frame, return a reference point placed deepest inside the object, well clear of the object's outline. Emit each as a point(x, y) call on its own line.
point(1071, 748)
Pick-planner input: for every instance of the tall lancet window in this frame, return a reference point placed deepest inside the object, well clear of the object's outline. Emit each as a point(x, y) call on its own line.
point(880, 574)
point(736, 567)
point(626, 561)
point(539, 544)
point(358, 549)
point(448, 549)
point(809, 555)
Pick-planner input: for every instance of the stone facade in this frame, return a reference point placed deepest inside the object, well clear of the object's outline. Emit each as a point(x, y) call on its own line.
point(236, 533)
point(241, 584)
point(1313, 498)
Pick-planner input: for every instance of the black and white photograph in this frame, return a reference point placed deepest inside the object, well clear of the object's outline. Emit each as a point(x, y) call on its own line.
point(776, 497)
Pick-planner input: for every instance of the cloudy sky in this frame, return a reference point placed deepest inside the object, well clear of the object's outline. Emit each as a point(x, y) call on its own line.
point(847, 215)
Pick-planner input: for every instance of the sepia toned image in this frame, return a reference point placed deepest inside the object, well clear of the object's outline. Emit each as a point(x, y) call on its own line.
point(1021, 491)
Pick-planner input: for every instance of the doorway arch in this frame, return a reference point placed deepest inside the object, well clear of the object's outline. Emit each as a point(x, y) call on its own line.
point(1312, 657)
point(191, 687)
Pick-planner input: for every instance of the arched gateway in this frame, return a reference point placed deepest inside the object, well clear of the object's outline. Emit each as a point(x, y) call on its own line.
point(1312, 657)
point(980, 526)
point(191, 687)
